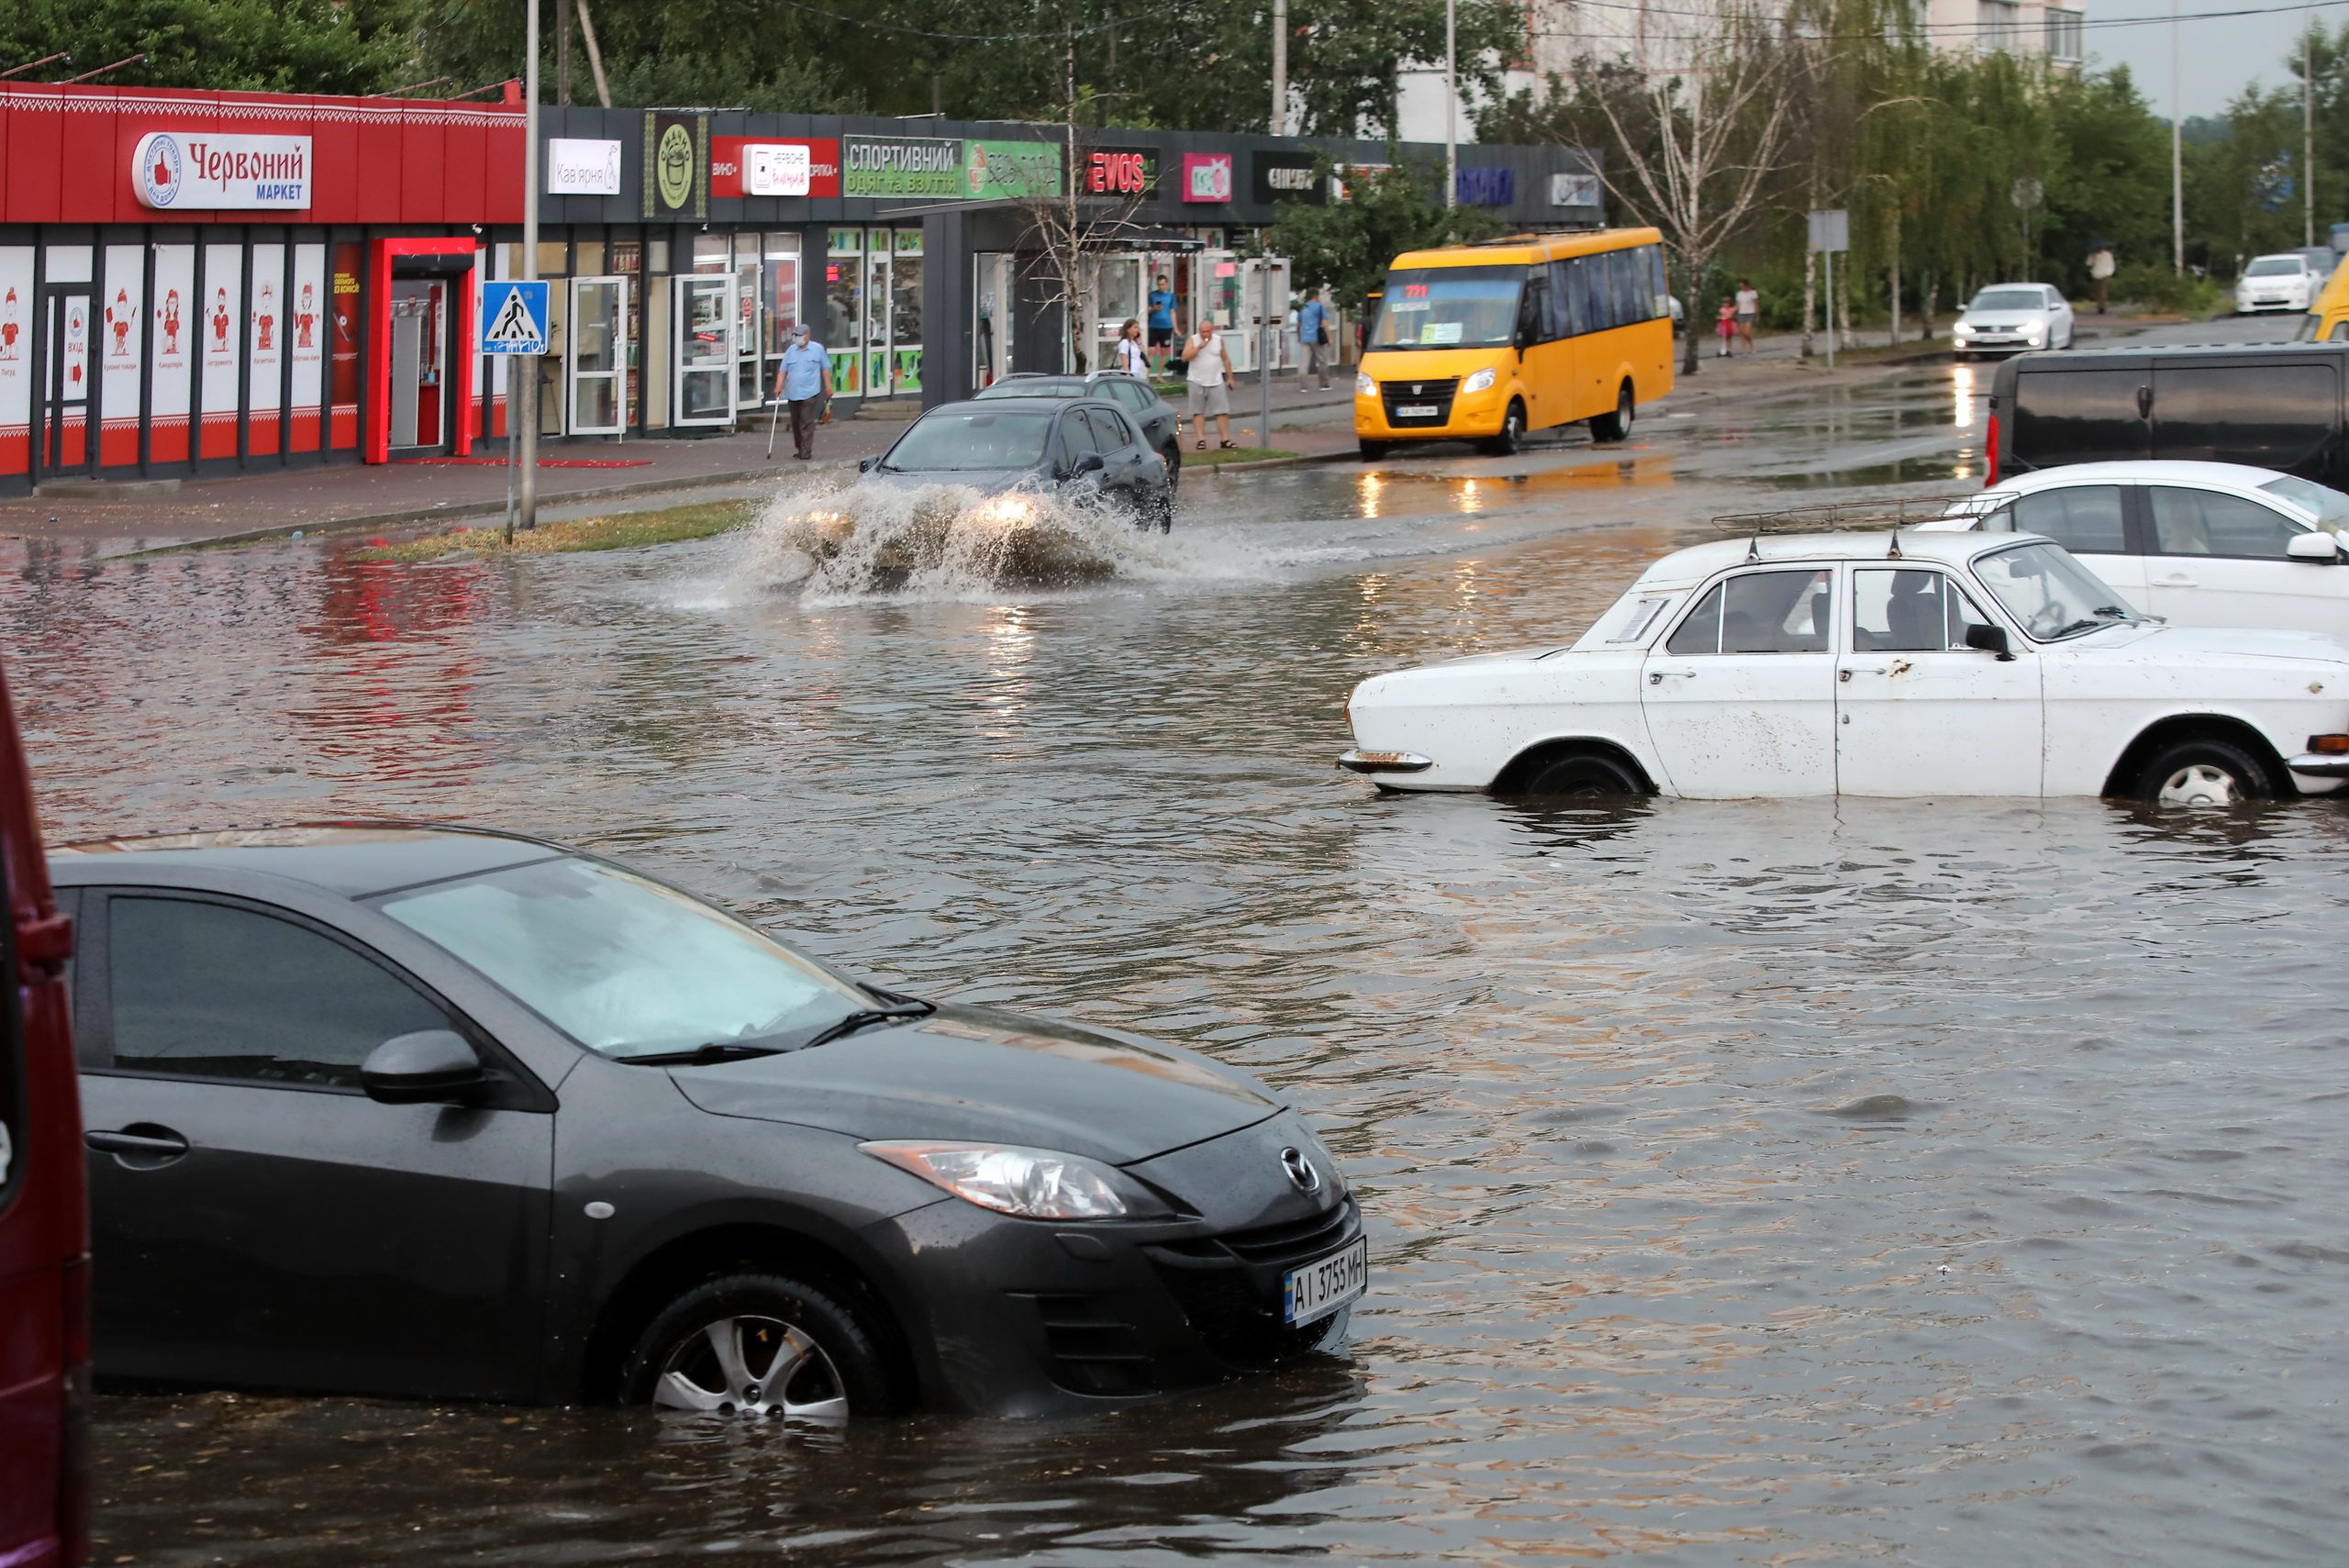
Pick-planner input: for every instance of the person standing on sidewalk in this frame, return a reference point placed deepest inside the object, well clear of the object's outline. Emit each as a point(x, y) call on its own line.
point(1209, 375)
point(1132, 358)
point(1725, 327)
point(1749, 311)
point(1162, 320)
point(2101, 269)
point(805, 381)
point(1313, 331)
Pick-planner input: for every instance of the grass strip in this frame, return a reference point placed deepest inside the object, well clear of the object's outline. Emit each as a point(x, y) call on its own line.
point(1216, 457)
point(623, 530)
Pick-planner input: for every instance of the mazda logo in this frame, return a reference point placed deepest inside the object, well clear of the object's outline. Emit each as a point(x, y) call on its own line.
point(1301, 1174)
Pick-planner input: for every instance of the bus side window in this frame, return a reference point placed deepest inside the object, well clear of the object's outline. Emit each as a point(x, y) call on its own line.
point(1591, 282)
point(1565, 299)
point(1659, 286)
point(1532, 311)
point(1623, 288)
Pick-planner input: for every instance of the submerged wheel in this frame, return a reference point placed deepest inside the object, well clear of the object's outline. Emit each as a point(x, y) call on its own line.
point(2204, 772)
point(1372, 450)
point(1615, 427)
point(1512, 433)
point(1582, 776)
point(759, 1344)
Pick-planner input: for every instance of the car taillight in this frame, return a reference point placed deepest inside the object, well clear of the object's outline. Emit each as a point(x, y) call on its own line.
point(73, 1450)
point(1990, 452)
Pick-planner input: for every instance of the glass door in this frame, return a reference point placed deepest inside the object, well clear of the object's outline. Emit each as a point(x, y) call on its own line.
point(991, 313)
point(595, 356)
point(703, 368)
point(878, 381)
point(63, 441)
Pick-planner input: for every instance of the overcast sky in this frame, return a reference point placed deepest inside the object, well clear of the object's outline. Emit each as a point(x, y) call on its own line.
point(2217, 58)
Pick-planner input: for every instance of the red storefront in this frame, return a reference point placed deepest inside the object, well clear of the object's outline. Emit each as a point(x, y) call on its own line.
point(199, 282)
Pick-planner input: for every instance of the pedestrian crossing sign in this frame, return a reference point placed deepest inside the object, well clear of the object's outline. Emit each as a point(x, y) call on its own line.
point(513, 316)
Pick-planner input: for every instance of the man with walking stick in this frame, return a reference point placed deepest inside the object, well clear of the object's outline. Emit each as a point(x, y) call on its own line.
point(804, 382)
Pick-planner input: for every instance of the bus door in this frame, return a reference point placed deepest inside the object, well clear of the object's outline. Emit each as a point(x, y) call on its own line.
point(1544, 353)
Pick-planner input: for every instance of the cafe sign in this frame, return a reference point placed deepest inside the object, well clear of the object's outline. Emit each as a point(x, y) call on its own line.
point(179, 173)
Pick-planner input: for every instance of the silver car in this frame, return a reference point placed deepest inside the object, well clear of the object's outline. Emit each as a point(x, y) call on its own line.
point(2011, 318)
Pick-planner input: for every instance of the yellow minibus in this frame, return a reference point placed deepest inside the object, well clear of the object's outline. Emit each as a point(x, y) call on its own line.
point(2328, 318)
point(1485, 342)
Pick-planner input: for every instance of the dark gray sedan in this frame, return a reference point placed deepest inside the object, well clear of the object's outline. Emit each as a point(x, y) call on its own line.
point(1070, 447)
point(1162, 427)
point(435, 1112)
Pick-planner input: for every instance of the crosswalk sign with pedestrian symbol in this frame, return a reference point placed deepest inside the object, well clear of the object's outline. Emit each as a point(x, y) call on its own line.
point(513, 316)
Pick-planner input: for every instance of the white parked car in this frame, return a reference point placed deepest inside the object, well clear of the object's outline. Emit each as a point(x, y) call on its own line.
point(1948, 664)
point(2008, 318)
point(2195, 544)
point(2285, 281)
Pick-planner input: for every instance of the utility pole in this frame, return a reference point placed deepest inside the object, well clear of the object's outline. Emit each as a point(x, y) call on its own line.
point(1451, 103)
point(2308, 127)
point(526, 445)
point(1280, 68)
point(2177, 157)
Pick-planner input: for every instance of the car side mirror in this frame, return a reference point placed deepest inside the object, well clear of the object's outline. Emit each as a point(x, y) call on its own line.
point(864, 464)
point(2319, 548)
point(421, 1068)
point(1987, 639)
point(1091, 462)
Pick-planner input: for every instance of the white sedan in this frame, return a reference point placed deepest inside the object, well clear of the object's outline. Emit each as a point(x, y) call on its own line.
point(2195, 544)
point(2285, 281)
point(2008, 318)
point(1872, 664)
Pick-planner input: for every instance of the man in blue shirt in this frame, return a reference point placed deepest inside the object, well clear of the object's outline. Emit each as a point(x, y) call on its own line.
point(1313, 331)
point(805, 381)
point(1162, 321)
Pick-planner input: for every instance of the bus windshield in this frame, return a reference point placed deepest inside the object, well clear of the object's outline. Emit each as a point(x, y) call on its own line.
point(1449, 308)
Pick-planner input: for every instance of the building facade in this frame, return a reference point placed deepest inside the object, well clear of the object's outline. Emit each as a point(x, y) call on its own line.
point(206, 282)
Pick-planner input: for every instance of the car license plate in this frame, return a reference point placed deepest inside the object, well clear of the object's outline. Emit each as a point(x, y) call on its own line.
point(1322, 1286)
point(1415, 411)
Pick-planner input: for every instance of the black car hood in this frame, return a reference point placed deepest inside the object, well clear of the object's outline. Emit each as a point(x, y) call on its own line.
point(985, 481)
point(969, 1073)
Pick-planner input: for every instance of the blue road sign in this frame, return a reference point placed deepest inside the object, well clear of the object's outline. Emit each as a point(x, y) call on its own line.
point(513, 316)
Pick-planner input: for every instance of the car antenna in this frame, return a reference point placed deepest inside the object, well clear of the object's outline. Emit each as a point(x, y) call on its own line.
point(1753, 545)
point(1894, 552)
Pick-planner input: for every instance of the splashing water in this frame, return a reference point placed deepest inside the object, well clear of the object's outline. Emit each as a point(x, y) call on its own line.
point(944, 541)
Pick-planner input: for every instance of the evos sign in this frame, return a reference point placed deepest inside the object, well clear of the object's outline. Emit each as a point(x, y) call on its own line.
point(174, 172)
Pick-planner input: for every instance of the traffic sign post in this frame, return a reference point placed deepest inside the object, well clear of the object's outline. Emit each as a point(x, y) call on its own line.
point(1831, 230)
point(513, 316)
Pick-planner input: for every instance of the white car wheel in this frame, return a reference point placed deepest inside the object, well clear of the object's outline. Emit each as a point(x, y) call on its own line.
point(2199, 784)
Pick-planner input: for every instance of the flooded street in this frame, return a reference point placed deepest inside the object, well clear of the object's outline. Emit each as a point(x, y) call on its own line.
point(1933, 1181)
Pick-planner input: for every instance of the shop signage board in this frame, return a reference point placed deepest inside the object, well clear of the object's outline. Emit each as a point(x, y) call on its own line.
point(1348, 175)
point(513, 316)
point(901, 166)
point(1574, 190)
point(676, 165)
point(1118, 172)
point(775, 166)
point(1206, 176)
point(1285, 177)
point(1013, 169)
point(583, 168)
point(1487, 187)
point(175, 173)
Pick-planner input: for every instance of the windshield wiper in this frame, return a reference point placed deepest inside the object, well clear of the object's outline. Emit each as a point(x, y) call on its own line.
point(899, 1009)
point(701, 1055)
point(2114, 612)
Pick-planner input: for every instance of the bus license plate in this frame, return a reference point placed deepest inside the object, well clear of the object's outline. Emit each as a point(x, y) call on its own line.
point(1324, 1285)
point(1415, 411)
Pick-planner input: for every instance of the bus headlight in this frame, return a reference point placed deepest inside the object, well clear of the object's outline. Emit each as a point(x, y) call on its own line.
point(1363, 385)
point(1481, 382)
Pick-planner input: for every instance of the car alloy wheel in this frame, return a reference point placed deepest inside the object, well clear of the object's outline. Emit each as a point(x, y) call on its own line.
point(752, 1366)
point(2204, 772)
point(2199, 784)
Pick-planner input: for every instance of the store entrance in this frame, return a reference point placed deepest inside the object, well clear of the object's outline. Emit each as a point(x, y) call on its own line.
point(62, 434)
point(421, 354)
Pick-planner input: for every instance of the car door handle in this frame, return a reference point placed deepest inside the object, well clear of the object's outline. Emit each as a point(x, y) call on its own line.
point(1655, 677)
point(2176, 580)
point(155, 1143)
point(1845, 675)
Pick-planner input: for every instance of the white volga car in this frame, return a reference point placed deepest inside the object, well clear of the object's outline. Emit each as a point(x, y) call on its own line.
point(2195, 544)
point(1871, 663)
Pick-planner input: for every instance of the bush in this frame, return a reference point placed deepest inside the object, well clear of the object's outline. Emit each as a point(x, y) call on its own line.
point(2151, 285)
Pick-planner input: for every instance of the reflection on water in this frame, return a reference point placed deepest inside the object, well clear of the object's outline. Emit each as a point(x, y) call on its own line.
point(1933, 1181)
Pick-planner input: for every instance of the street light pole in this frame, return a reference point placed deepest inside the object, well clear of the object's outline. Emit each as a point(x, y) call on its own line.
point(527, 442)
point(2177, 157)
point(1280, 68)
point(2307, 129)
point(1451, 103)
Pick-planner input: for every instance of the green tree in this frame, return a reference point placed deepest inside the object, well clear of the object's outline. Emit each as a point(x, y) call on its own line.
point(1346, 246)
point(286, 46)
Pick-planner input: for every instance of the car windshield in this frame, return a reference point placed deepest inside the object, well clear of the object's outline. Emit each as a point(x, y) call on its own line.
point(1448, 307)
point(1035, 386)
point(620, 963)
point(2047, 590)
point(2009, 299)
point(2330, 506)
point(953, 441)
point(2273, 266)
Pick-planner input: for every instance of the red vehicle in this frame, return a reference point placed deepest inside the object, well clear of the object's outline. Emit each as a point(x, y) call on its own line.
point(44, 1215)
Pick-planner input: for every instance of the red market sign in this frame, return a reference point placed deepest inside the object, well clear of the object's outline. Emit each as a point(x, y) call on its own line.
point(176, 172)
point(772, 166)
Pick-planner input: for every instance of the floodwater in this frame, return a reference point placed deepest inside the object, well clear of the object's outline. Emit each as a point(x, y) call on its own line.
point(1928, 1181)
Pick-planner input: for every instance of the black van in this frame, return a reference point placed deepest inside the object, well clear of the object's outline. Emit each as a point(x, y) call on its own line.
point(2271, 405)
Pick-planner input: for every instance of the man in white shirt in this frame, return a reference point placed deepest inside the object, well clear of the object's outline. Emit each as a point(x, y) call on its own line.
point(1209, 373)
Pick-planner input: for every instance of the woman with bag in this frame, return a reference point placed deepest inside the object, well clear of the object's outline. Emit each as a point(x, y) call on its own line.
point(1133, 357)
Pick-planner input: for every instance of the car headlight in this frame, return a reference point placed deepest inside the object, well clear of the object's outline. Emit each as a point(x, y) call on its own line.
point(1363, 385)
point(1029, 1184)
point(1010, 509)
point(1481, 382)
point(1963, 329)
point(2033, 333)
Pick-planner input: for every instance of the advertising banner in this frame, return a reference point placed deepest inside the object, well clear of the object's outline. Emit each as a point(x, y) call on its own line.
point(1574, 190)
point(901, 166)
point(264, 350)
point(579, 168)
point(676, 165)
point(1487, 187)
point(221, 342)
point(1285, 177)
point(16, 358)
point(176, 172)
point(1206, 176)
point(343, 361)
point(307, 322)
point(775, 166)
point(120, 347)
point(1119, 171)
point(1348, 175)
point(1013, 169)
point(171, 342)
